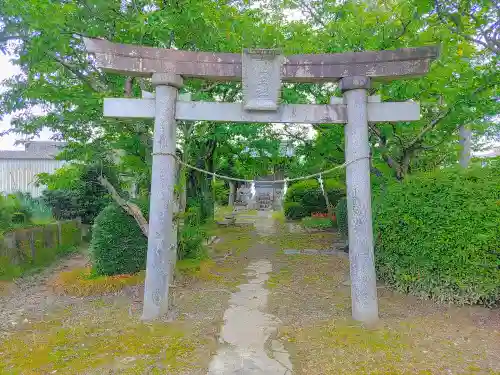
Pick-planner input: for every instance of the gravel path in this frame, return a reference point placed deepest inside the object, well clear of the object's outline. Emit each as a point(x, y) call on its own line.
point(31, 297)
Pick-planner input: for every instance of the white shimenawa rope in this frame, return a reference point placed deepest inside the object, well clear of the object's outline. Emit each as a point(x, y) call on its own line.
point(320, 180)
point(253, 191)
point(285, 181)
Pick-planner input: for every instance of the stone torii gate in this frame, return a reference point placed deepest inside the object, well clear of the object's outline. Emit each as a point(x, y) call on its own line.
point(262, 72)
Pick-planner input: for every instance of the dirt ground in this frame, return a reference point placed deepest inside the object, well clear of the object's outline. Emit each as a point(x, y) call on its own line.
point(42, 332)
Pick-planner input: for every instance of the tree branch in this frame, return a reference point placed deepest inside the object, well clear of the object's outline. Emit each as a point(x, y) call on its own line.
point(429, 127)
point(96, 86)
point(129, 207)
point(313, 14)
point(489, 42)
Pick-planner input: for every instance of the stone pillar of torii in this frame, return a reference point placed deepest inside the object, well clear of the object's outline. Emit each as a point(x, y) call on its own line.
point(261, 72)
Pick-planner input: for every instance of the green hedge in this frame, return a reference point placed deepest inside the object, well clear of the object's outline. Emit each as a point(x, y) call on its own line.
point(118, 246)
point(438, 235)
point(341, 216)
point(305, 197)
point(294, 210)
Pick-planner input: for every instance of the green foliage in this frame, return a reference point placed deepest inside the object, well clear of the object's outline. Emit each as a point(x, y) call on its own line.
point(34, 210)
point(438, 235)
point(20, 210)
point(317, 222)
point(221, 192)
point(70, 233)
point(75, 191)
point(6, 212)
point(64, 203)
point(341, 216)
point(192, 235)
point(118, 246)
point(9, 271)
point(294, 210)
point(310, 198)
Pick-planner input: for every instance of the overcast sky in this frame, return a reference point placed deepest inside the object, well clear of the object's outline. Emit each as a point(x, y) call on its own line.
point(7, 142)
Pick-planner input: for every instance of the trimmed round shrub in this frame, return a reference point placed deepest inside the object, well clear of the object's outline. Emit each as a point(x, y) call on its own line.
point(341, 216)
point(118, 246)
point(294, 210)
point(309, 196)
point(438, 235)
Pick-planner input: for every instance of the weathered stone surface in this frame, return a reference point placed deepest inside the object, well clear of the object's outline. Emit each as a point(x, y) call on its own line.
point(144, 61)
point(162, 239)
point(261, 71)
point(247, 329)
point(167, 79)
point(352, 83)
point(287, 113)
point(361, 255)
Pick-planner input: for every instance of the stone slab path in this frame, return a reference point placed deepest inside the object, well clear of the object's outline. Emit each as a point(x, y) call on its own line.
point(247, 330)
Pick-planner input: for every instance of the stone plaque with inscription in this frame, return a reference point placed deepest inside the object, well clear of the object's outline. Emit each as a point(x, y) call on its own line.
point(261, 75)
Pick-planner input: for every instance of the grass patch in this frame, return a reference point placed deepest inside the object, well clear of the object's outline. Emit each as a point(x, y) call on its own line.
point(319, 241)
point(221, 212)
point(379, 351)
point(317, 222)
point(199, 269)
point(84, 282)
point(207, 270)
point(415, 336)
point(279, 216)
point(282, 277)
point(233, 239)
point(343, 346)
point(108, 341)
point(9, 271)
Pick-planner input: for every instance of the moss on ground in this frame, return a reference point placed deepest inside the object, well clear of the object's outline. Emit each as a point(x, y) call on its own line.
point(82, 282)
point(108, 339)
point(234, 240)
point(308, 294)
point(341, 346)
point(319, 240)
point(283, 276)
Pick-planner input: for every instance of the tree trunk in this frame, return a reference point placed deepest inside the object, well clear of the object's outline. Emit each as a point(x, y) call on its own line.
point(232, 193)
point(465, 146)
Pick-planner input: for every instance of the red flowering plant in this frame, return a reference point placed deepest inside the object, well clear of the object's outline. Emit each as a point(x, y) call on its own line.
point(324, 215)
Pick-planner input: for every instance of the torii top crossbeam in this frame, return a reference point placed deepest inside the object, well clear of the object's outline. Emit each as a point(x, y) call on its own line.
point(142, 61)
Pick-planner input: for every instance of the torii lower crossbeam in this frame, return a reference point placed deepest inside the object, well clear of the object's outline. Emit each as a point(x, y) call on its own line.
point(288, 113)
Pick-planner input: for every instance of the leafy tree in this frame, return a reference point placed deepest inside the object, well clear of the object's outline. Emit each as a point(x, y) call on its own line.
point(57, 75)
point(460, 89)
point(475, 21)
point(75, 191)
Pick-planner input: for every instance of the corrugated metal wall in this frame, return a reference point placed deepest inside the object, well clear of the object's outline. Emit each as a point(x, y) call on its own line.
point(20, 174)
